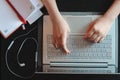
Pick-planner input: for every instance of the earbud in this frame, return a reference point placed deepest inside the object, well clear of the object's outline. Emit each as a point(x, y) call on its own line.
point(22, 64)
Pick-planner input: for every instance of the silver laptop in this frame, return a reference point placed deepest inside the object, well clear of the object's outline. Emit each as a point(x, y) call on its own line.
point(85, 56)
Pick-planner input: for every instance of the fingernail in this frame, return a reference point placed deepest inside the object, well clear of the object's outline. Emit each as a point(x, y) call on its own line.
point(68, 52)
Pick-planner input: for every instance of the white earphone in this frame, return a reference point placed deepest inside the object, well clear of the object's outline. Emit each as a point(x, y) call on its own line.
point(23, 64)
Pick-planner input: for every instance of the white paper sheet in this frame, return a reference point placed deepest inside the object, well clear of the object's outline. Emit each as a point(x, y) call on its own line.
point(9, 22)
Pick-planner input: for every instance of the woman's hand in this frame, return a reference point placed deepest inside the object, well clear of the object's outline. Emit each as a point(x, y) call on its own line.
point(98, 29)
point(60, 33)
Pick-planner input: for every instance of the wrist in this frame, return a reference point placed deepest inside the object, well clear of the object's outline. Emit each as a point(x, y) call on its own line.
point(56, 17)
point(109, 17)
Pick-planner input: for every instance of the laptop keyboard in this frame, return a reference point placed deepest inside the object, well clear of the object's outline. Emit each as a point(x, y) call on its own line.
point(81, 48)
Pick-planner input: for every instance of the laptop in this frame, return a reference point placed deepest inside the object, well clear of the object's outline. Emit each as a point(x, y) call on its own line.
point(85, 56)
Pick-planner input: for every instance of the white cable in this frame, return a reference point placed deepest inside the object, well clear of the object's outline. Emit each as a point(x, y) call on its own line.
point(21, 64)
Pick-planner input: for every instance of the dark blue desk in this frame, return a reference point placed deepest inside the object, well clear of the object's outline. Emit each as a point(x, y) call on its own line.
point(64, 5)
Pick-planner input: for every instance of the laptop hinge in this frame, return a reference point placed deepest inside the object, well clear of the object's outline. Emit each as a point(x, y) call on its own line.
point(80, 64)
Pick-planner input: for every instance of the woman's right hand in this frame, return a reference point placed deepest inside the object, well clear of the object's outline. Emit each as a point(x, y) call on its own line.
point(60, 33)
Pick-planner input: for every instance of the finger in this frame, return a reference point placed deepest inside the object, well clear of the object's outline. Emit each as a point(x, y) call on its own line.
point(90, 34)
point(90, 26)
point(55, 45)
point(94, 37)
point(101, 39)
point(88, 30)
point(59, 43)
point(64, 46)
point(65, 49)
point(55, 42)
point(97, 39)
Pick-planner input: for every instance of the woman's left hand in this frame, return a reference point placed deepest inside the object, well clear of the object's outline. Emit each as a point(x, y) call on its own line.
point(98, 29)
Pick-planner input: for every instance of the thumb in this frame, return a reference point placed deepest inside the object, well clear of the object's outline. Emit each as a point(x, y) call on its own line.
point(88, 29)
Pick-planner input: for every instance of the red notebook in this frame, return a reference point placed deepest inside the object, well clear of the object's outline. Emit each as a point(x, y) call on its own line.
point(14, 13)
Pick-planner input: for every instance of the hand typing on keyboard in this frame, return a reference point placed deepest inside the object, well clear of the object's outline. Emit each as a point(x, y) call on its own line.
point(60, 34)
point(60, 26)
point(98, 29)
